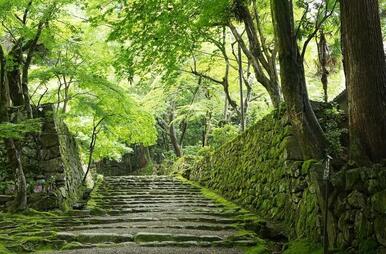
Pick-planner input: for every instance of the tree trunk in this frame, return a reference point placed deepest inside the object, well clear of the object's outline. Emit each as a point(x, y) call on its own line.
point(173, 135)
point(207, 128)
point(241, 80)
point(309, 133)
point(263, 61)
point(14, 81)
point(364, 64)
point(323, 58)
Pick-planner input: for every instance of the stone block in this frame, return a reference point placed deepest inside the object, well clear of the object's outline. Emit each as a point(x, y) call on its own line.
point(52, 166)
point(378, 202)
point(356, 199)
point(49, 140)
point(50, 153)
point(380, 229)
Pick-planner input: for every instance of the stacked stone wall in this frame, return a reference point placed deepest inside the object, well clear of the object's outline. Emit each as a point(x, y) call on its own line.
point(262, 169)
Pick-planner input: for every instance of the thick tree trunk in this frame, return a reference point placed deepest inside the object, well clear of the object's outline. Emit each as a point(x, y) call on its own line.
point(364, 63)
point(309, 133)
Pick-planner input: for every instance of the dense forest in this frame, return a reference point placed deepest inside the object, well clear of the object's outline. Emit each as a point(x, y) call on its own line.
point(186, 88)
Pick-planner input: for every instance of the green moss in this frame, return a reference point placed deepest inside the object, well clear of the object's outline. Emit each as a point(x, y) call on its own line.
point(307, 166)
point(212, 195)
point(3, 249)
point(368, 246)
point(72, 246)
point(259, 249)
point(28, 231)
point(302, 246)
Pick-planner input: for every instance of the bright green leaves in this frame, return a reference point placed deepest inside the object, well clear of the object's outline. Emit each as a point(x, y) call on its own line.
point(19, 130)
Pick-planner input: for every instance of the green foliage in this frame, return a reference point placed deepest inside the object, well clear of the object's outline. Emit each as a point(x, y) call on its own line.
point(20, 129)
point(332, 122)
point(221, 135)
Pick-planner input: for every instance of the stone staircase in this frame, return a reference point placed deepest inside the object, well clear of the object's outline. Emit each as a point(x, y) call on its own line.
point(154, 214)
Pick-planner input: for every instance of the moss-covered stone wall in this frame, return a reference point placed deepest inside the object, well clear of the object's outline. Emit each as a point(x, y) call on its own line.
point(51, 164)
point(59, 163)
point(262, 169)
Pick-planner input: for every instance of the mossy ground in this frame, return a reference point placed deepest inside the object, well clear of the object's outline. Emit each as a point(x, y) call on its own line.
point(302, 246)
point(28, 231)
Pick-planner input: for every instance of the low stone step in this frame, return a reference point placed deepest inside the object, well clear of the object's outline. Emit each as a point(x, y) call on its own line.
point(160, 211)
point(144, 237)
point(91, 237)
point(164, 204)
point(153, 225)
point(120, 191)
point(147, 248)
point(155, 198)
point(152, 201)
point(126, 219)
point(194, 234)
point(149, 193)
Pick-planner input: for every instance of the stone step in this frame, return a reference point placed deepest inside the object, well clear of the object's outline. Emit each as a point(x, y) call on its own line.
point(153, 238)
point(163, 200)
point(167, 208)
point(153, 225)
point(156, 198)
point(193, 233)
point(119, 191)
point(148, 248)
point(131, 219)
point(150, 193)
point(158, 203)
point(161, 211)
point(146, 196)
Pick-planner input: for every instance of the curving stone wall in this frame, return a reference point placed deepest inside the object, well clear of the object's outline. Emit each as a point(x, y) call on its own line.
point(262, 170)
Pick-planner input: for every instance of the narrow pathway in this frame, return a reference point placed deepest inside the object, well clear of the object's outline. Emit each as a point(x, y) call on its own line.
point(155, 214)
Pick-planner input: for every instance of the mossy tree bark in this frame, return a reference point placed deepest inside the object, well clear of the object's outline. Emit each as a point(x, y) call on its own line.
point(309, 133)
point(364, 64)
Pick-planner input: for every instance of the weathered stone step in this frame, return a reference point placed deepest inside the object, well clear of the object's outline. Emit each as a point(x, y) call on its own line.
point(145, 201)
point(176, 212)
point(91, 237)
point(194, 234)
point(166, 204)
point(119, 191)
point(154, 224)
point(131, 219)
point(148, 196)
point(153, 238)
point(172, 208)
point(133, 248)
point(150, 193)
point(156, 198)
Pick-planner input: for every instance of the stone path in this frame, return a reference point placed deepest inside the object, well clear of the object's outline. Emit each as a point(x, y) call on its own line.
point(154, 214)
point(142, 215)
